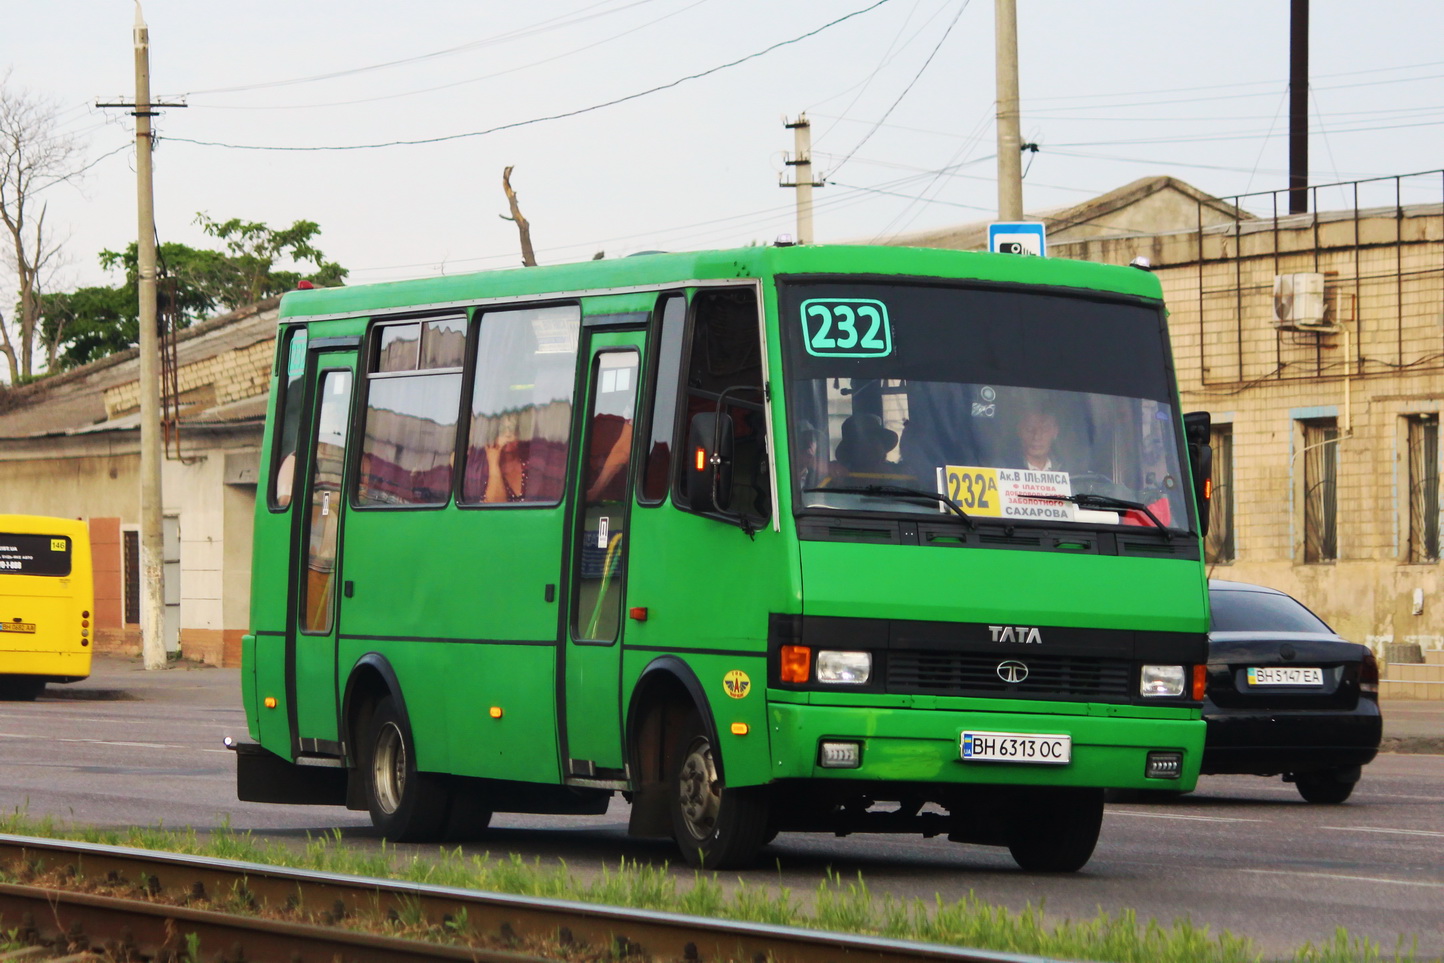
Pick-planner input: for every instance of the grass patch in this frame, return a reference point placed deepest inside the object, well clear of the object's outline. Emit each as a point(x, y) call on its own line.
point(837, 905)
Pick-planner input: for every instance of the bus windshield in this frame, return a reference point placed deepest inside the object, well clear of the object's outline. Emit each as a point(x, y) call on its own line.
point(1021, 406)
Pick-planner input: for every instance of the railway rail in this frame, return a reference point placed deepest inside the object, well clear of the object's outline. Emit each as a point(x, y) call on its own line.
point(239, 912)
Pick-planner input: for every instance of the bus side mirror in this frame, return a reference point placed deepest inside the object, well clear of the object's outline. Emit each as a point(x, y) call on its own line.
point(1196, 428)
point(709, 467)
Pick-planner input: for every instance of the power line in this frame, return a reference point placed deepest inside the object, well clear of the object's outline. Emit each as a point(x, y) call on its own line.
point(520, 33)
point(539, 120)
point(469, 80)
point(906, 90)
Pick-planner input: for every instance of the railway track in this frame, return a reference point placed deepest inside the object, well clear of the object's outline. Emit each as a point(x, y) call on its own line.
point(140, 905)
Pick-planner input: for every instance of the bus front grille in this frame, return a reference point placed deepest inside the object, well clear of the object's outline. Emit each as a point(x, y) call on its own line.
point(970, 673)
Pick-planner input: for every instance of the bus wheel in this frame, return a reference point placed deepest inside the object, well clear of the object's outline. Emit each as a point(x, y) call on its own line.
point(406, 805)
point(1055, 830)
point(715, 827)
point(20, 688)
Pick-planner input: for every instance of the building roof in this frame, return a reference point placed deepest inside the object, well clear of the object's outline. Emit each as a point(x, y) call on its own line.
point(1150, 205)
point(93, 397)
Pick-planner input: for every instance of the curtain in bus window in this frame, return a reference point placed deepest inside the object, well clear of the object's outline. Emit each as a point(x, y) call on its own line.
point(521, 406)
point(410, 436)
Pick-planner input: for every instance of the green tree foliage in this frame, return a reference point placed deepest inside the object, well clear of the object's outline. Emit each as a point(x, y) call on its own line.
point(258, 263)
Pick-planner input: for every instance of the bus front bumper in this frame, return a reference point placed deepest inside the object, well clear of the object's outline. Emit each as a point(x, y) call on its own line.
point(1110, 746)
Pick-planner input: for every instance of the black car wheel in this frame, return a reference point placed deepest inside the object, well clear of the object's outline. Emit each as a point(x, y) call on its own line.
point(1331, 786)
point(20, 688)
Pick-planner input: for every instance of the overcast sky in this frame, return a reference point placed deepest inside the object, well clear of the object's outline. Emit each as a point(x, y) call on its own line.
point(900, 93)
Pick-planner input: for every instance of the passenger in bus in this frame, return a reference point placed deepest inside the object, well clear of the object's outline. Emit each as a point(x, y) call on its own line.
point(861, 455)
point(809, 474)
point(506, 464)
point(611, 449)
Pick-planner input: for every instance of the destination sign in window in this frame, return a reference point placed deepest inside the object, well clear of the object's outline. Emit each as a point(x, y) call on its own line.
point(34, 554)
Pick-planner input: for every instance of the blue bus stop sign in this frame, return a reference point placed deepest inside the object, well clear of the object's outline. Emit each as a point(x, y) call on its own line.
point(1017, 237)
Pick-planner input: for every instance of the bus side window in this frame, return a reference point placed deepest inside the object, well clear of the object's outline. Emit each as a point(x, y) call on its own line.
point(413, 398)
point(726, 357)
point(283, 476)
point(520, 420)
point(657, 464)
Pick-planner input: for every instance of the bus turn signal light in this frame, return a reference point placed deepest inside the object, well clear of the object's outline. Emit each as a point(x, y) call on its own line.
point(1200, 682)
point(740, 728)
point(496, 712)
point(701, 459)
point(796, 663)
point(270, 702)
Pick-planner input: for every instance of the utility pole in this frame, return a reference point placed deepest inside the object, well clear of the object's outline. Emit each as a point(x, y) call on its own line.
point(802, 180)
point(1299, 107)
point(152, 539)
point(1010, 138)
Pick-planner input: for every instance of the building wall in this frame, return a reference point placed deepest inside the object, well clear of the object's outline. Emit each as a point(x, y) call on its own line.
point(1378, 360)
point(96, 477)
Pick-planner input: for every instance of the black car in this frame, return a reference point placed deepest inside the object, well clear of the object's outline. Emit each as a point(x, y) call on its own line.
point(1286, 695)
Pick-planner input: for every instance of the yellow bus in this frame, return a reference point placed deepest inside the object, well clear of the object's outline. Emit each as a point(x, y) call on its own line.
point(47, 601)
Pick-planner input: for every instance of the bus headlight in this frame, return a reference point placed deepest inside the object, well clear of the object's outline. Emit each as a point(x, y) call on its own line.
point(844, 668)
point(1163, 681)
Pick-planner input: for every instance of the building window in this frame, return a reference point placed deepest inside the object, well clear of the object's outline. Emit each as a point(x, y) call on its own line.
point(1321, 490)
point(1423, 493)
point(1219, 546)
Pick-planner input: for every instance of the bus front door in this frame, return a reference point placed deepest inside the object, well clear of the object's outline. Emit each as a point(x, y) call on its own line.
point(592, 672)
point(311, 648)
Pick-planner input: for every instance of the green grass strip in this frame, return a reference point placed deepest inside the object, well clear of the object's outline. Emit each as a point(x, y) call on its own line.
point(837, 905)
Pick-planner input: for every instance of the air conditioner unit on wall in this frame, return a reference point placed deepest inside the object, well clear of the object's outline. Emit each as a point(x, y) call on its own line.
point(1299, 301)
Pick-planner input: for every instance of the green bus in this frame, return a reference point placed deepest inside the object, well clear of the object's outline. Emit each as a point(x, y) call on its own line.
point(782, 539)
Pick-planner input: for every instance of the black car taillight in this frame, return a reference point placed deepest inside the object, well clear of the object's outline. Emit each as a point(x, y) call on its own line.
point(1369, 673)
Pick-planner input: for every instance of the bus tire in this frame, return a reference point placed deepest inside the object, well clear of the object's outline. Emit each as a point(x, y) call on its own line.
point(20, 688)
point(1055, 830)
point(714, 826)
point(406, 805)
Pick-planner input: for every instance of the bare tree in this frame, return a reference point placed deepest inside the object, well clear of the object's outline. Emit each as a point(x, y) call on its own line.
point(528, 257)
point(34, 155)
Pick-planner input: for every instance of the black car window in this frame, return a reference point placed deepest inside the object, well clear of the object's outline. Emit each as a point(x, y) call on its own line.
point(1261, 611)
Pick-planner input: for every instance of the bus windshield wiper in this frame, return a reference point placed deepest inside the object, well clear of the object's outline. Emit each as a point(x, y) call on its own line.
point(1094, 500)
point(899, 491)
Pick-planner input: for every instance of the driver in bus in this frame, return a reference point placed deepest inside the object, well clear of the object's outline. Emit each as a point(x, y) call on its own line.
point(1037, 431)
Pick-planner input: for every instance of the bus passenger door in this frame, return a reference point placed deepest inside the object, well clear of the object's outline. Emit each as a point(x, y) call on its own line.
point(597, 619)
point(311, 646)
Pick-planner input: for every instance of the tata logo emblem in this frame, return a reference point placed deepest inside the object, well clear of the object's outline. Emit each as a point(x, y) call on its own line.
point(1021, 634)
point(1012, 671)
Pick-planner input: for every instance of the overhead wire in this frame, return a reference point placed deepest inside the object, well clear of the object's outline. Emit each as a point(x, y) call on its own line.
point(544, 119)
point(908, 89)
point(520, 33)
point(469, 80)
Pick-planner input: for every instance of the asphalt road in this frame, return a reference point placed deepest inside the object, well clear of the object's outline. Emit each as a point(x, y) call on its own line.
point(1243, 854)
